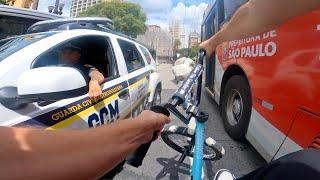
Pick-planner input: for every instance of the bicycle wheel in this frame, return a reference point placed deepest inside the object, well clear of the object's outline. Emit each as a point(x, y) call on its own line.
point(178, 138)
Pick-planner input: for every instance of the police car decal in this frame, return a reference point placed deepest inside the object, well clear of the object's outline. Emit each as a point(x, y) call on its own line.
point(108, 111)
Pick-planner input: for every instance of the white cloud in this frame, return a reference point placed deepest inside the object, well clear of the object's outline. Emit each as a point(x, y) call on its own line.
point(189, 17)
point(154, 7)
point(156, 11)
point(161, 13)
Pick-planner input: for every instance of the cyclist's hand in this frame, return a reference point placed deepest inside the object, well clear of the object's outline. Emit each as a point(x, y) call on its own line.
point(94, 90)
point(208, 47)
point(151, 122)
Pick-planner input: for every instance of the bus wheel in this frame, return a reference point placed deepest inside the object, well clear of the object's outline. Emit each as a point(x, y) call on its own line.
point(236, 107)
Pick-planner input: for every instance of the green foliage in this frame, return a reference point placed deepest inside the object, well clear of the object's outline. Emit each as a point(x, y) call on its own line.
point(176, 44)
point(193, 53)
point(184, 52)
point(128, 18)
point(189, 52)
point(3, 2)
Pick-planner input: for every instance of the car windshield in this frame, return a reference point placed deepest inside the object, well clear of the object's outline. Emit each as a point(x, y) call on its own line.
point(14, 44)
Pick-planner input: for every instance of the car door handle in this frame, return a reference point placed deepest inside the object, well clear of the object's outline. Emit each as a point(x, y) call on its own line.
point(124, 94)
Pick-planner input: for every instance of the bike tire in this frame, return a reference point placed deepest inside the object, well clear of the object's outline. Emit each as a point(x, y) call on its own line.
point(167, 133)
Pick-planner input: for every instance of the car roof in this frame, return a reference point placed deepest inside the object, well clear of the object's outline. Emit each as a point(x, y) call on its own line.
point(70, 20)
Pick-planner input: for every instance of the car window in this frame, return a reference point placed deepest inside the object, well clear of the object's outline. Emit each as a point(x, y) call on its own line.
point(131, 55)
point(146, 54)
point(95, 51)
point(15, 44)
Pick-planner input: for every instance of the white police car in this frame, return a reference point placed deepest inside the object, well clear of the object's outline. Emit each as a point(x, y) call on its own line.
point(35, 91)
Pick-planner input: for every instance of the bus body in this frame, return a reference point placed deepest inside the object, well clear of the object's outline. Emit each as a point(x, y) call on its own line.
point(15, 21)
point(281, 69)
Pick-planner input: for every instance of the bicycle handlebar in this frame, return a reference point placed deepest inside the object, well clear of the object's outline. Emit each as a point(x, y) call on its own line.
point(178, 98)
point(181, 93)
point(196, 74)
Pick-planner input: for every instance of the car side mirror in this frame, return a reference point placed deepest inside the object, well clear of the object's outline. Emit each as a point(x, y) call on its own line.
point(51, 83)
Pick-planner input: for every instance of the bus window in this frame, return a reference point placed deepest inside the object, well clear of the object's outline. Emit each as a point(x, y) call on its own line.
point(230, 6)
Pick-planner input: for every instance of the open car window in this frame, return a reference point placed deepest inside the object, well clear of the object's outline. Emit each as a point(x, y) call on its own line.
point(96, 51)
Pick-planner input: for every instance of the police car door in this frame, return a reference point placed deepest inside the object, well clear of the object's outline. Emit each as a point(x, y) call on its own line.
point(81, 111)
point(138, 75)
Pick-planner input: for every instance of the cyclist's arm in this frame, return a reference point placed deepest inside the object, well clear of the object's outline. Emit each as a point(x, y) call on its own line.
point(77, 154)
point(257, 16)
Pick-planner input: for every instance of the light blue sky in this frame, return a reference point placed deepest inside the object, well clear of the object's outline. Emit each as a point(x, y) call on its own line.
point(161, 12)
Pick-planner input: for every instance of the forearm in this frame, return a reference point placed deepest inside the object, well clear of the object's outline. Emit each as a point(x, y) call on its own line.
point(95, 75)
point(79, 154)
point(258, 16)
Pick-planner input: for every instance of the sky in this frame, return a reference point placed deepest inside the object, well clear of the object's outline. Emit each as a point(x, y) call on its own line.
point(163, 12)
point(160, 12)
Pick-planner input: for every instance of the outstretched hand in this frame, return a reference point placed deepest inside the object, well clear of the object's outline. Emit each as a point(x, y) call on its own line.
point(94, 90)
point(208, 46)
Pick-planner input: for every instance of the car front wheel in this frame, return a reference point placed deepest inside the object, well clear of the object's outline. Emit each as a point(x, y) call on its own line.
point(157, 97)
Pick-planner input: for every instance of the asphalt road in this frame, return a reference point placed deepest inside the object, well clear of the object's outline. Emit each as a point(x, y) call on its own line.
point(161, 161)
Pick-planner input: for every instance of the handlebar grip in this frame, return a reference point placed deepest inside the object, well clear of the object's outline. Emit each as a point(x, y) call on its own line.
point(181, 93)
point(137, 157)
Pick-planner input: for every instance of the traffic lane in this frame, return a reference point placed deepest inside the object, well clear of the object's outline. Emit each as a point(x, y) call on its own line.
point(240, 157)
point(161, 161)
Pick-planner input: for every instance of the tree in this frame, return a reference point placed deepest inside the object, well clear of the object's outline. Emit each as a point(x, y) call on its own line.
point(193, 52)
point(128, 18)
point(184, 52)
point(3, 2)
point(189, 52)
point(176, 45)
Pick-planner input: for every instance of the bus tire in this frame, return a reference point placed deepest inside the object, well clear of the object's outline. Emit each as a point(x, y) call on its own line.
point(236, 107)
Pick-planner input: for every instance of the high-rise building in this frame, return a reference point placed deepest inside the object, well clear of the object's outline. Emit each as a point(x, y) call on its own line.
point(183, 41)
point(175, 30)
point(159, 39)
point(194, 38)
point(77, 6)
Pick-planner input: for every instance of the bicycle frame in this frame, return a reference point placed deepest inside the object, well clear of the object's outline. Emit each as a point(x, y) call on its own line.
point(193, 113)
point(177, 99)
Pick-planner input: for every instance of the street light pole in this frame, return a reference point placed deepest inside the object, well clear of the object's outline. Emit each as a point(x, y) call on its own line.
point(35, 4)
point(56, 6)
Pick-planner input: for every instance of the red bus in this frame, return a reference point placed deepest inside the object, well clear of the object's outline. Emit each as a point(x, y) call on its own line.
point(267, 86)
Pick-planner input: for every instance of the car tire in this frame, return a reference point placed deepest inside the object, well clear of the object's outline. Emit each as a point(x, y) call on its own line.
point(236, 107)
point(157, 96)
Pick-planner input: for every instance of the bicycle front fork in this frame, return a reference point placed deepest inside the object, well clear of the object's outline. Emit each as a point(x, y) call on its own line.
point(198, 146)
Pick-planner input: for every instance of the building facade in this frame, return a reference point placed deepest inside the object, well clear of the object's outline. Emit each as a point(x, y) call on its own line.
point(20, 3)
point(78, 6)
point(194, 39)
point(158, 39)
point(184, 41)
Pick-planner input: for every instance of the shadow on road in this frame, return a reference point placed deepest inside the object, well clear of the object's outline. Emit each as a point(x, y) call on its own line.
point(208, 169)
point(172, 167)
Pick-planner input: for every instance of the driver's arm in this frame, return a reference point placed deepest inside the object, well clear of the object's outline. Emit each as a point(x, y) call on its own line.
point(258, 16)
point(96, 78)
point(74, 154)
